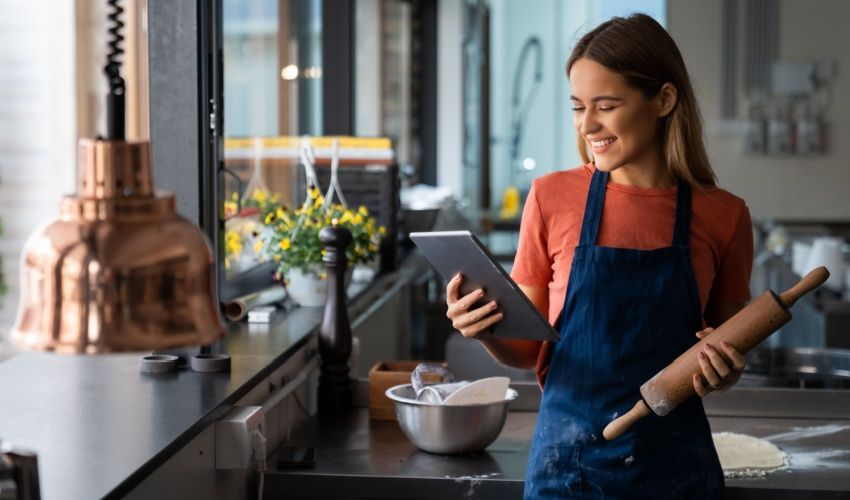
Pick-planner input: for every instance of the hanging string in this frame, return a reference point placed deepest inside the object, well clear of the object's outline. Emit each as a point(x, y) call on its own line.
point(308, 160)
point(333, 186)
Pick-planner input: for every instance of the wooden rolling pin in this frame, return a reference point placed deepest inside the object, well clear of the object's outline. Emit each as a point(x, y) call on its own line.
point(745, 330)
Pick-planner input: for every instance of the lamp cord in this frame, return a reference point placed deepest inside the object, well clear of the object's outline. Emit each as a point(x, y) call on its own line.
point(115, 97)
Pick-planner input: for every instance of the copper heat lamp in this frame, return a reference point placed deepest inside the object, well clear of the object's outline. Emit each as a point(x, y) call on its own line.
point(119, 270)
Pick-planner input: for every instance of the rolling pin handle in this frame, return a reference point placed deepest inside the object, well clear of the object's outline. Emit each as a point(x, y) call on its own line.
point(811, 281)
point(620, 425)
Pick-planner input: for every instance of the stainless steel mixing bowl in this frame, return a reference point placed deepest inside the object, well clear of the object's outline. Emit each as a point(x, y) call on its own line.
point(448, 429)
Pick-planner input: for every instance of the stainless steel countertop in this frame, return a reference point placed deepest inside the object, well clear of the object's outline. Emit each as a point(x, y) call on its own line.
point(818, 451)
point(358, 458)
point(100, 427)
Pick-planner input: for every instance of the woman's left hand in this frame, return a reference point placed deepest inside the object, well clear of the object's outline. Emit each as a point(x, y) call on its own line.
point(721, 367)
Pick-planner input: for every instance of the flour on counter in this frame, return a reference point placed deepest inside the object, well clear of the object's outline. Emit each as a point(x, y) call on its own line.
point(747, 456)
point(817, 459)
point(472, 481)
point(808, 432)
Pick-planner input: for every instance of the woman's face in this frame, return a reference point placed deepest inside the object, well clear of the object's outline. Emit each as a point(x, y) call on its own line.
point(616, 121)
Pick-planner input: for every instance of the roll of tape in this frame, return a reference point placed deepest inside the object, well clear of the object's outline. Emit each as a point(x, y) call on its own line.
point(211, 363)
point(159, 363)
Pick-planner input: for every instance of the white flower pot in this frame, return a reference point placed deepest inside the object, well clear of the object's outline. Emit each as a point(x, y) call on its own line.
point(310, 289)
point(307, 289)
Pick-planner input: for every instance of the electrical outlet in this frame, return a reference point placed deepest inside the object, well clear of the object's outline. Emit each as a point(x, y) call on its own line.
point(234, 437)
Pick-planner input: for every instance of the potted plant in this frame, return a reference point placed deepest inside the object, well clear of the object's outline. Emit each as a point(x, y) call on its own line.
point(290, 237)
point(242, 225)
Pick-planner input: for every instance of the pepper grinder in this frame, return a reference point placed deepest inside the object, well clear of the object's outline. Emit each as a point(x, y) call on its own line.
point(335, 333)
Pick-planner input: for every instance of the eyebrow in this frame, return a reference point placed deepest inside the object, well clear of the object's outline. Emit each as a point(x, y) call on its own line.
point(599, 98)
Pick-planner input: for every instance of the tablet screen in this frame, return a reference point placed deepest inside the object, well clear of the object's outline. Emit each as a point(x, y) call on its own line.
point(453, 252)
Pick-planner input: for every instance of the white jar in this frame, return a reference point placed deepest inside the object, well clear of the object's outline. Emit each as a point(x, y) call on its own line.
point(826, 251)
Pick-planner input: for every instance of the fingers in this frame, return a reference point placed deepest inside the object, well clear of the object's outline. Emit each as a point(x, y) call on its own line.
point(718, 371)
point(719, 363)
point(462, 305)
point(738, 360)
point(475, 329)
point(453, 289)
point(709, 372)
point(702, 333)
point(469, 323)
point(466, 319)
point(700, 386)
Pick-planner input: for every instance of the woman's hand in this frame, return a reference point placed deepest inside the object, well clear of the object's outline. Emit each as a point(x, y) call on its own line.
point(721, 368)
point(469, 323)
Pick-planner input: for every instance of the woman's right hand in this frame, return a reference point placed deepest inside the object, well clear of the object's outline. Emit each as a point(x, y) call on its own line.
point(469, 323)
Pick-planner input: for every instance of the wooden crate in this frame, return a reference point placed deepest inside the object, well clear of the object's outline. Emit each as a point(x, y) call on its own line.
point(385, 374)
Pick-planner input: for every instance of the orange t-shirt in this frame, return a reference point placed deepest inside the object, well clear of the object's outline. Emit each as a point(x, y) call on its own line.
point(641, 218)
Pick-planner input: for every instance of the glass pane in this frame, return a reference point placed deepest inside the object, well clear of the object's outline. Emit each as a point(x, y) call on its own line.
point(272, 95)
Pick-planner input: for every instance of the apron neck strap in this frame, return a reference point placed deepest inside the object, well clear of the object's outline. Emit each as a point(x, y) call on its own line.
point(596, 201)
point(682, 230)
point(593, 208)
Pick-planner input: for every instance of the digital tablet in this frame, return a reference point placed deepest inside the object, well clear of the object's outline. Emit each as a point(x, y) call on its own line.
point(453, 252)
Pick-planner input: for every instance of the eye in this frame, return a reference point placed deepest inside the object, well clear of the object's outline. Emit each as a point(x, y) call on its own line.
point(606, 108)
point(578, 109)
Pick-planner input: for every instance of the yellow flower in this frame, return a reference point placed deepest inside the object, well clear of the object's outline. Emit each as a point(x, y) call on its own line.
point(346, 217)
point(279, 213)
point(324, 252)
point(373, 247)
point(319, 202)
point(269, 218)
point(258, 246)
point(259, 195)
point(357, 219)
point(285, 244)
point(382, 230)
point(232, 242)
point(363, 211)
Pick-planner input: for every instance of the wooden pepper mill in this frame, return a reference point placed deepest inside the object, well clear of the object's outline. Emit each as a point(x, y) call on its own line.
point(335, 332)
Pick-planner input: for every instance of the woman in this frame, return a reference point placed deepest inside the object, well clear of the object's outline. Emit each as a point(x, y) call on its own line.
point(653, 253)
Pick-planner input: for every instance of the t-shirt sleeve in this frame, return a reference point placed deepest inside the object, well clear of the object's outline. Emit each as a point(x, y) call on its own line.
point(732, 281)
point(532, 264)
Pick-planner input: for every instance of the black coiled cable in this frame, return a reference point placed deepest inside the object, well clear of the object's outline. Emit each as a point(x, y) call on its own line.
point(115, 97)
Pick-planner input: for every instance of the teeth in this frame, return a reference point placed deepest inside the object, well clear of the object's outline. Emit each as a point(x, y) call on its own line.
point(599, 144)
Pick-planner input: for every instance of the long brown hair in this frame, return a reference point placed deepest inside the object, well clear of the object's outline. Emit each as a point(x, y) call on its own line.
point(641, 50)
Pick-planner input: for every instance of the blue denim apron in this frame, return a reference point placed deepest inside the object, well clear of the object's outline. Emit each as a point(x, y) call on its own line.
point(627, 314)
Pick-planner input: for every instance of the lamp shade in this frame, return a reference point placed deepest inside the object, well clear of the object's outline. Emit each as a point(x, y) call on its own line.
point(119, 270)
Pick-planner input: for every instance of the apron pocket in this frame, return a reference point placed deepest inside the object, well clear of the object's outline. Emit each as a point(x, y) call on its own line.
point(553, 472)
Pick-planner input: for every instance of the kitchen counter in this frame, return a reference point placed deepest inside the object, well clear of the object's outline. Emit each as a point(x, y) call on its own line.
point(373, 459)
point(100, 427)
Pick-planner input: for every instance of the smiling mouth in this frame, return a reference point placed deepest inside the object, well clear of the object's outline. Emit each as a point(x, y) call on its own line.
point(602, 143)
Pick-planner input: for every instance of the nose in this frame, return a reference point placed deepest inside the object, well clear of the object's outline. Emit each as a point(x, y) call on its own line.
point(587, 123)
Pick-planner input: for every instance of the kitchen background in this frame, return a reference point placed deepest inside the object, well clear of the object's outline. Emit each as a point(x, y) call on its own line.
point(472, 93)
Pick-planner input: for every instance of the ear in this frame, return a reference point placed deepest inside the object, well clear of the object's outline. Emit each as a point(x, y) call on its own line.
point(667, 97)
